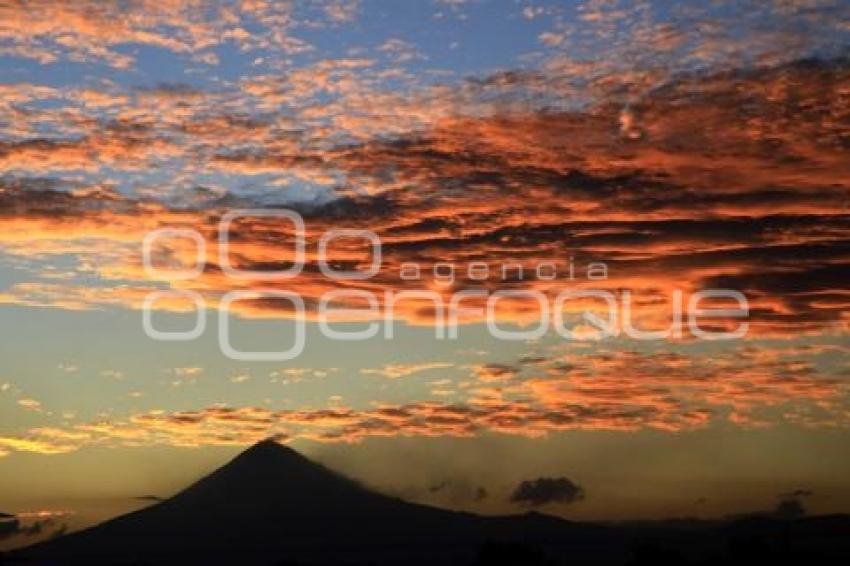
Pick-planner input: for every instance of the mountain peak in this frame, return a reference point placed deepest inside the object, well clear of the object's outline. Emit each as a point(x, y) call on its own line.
point(269, 458)
point(270, 445)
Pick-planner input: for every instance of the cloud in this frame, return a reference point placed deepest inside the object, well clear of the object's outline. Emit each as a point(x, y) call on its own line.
point(572, 161)
point(31, 524)
point(541, 491)
point(395, 371)
point(342, 10)
point(797, 493)
point(8, 525)
point(78, 31)
point(570, 389)
point(187, 371)
point(240, 377)
point(458, 491)
point(30, 404)
point(755, 208)
point(491, 373)
point(150, 498)
point(532, 12)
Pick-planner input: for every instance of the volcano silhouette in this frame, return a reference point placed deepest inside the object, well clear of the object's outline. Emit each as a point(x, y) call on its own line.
point(272, 506)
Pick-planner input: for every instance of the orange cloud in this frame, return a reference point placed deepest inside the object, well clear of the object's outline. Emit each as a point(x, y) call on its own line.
point(752, 201)
point(608, 390)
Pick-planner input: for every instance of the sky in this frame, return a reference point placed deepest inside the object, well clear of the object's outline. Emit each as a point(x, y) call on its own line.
point(647, 150)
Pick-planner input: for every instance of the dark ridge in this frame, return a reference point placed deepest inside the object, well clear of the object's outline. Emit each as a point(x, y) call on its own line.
point(271, 505)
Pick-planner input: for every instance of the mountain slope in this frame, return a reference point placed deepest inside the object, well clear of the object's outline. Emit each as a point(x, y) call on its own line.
point(271, 503)
point(272, 506)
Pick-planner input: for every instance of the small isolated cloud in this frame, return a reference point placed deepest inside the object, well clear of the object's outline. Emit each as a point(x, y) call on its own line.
point(240, 377)
point(401, 51)
point(8, 525)
point(30, 404)
point(292, 375)
point(551, 39)
point(342, 10)
point(187, 371)
point(151, 498)
point(490, 373)
point(185, 375)
point(547, 490)
point(458, 491)
point(394, 371)
point(532, 12)
point(31, 524)
point(797, 493)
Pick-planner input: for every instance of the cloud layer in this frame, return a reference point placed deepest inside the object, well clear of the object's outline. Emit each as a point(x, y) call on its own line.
point(702, 148)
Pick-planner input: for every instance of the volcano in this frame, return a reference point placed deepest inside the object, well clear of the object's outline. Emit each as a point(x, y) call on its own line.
point(272, 506)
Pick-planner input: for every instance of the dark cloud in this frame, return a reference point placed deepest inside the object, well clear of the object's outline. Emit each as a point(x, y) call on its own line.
point(458, 491)
point(797, 493)
point(11, 526)
point(547, 490)
point(152, 498)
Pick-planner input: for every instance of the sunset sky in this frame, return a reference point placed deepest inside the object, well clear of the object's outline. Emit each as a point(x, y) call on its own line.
point(684, 146)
